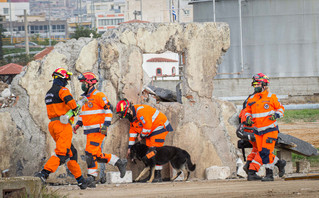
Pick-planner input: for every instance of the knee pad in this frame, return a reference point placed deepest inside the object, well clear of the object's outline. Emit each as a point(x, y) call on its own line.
point(264, 155)
point(75, 153)
point(63, 158)
point(89, 159)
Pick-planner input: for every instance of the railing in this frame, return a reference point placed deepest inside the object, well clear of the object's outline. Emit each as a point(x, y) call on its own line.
point(15, 40)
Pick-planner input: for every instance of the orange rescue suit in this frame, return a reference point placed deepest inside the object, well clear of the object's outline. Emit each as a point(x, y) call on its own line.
point(150, 124)
point(95, 113)
point(58, 102)
point(260, 107)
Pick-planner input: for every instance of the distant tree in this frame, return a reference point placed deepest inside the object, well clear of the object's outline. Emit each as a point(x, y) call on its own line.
point(81, 31)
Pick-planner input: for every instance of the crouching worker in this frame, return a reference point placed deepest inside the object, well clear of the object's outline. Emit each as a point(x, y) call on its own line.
point(145, 122)
point(96, 117)
point(59, 101)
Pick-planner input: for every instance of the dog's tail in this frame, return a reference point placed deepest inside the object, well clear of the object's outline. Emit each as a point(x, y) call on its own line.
point(190, 165)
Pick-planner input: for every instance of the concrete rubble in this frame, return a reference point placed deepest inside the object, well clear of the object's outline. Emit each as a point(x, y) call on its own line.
point(203, 125)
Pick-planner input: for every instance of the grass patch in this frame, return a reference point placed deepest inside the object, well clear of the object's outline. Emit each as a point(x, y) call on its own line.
point(51, 194)
point(305, 115)
point(314, 160)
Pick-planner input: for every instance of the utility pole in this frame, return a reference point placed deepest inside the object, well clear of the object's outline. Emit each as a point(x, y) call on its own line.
point(11, 28)
point(141, 7)
point(49, 23)
point(26, 33)
point(80, 12)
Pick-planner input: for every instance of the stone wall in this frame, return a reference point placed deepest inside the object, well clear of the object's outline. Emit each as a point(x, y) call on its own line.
point(203, 125)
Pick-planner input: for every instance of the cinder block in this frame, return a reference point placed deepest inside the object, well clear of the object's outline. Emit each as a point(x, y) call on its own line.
point(217, 172)
point(20, 186)
point(302, 166)
point(285, 155)
point(262, 171)
point(114, 177)
point(289, 168)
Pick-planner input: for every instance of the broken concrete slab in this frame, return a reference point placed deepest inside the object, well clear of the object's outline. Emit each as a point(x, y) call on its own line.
point(25, 186)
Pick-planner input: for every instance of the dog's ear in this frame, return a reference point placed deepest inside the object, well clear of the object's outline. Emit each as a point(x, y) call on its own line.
point(138, 143)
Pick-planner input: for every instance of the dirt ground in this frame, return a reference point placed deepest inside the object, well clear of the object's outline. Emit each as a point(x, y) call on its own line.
point(221, 188)
point(307, 131)
point(200, 189)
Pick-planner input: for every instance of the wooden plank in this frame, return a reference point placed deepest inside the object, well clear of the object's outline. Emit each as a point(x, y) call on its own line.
point(302, 177)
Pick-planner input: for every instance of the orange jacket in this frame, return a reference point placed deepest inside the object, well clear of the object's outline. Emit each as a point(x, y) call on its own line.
point(148, 122)
point(59, 101)
point(95, 113)
point(260, 107)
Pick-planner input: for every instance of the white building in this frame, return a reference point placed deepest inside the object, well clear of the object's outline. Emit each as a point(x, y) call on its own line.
point(106, 14)
point(17, 9)
point(161, 66)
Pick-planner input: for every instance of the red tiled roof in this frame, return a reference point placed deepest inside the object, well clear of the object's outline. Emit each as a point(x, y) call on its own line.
point(43, 53)
point(159, 59)
point(135, 21)
point(11, 68)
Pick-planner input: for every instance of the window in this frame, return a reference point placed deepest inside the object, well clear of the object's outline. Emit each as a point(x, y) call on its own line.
point(5, 10)
point(159, 72)
point(173, 71)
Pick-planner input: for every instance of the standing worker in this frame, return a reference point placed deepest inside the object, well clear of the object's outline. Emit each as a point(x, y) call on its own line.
point(145, 122)
point(262, 111)
point(96, 117)
point(250, 136)
point(59, 101)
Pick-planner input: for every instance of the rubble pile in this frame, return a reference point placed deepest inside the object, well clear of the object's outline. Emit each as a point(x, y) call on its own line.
point(7, 99)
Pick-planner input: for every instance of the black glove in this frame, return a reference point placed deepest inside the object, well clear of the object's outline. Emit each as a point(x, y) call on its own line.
point(274, 116)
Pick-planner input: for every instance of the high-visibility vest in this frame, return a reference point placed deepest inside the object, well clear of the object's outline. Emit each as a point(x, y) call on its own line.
point(260, 107)
point(59, 101)
point(149, 122)
point(93, 114)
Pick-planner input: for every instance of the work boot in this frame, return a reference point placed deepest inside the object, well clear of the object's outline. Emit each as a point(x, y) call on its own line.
point(121, 165)
point(252, 175)
point(43, 175)
point(91, 183)
point(281, 167)
point(158, 176)
point(246, 166)
point(82, 183)
point(269, 175)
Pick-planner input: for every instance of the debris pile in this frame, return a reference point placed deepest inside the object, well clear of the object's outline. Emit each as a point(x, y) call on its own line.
point(7, 99)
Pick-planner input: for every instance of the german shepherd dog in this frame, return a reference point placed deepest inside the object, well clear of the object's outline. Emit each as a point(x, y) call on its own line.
point(179, 159)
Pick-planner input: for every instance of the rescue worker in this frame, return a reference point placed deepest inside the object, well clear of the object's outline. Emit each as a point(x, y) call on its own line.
point(262, 111)
point(145, 122)
point(278, 162)
point(96, 117)
point(59, 101)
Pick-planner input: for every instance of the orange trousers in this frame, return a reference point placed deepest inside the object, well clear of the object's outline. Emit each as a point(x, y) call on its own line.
point(265, 146)
point(156, 140)
point(94, 153)
point(62, 135)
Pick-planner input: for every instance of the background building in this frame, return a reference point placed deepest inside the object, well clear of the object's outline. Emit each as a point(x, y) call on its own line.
point(159, 10)
point(17, 8)
point(279, 38)
point(161, 66)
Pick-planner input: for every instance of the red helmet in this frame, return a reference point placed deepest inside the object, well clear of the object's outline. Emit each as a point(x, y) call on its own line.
point(260, 78)
point(62, 73)
point(88, 77)
point(122, 108)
